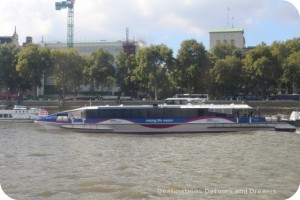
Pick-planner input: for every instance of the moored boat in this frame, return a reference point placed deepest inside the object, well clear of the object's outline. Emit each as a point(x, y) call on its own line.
point(21, 114)
point(177, 115)
point(293, 119)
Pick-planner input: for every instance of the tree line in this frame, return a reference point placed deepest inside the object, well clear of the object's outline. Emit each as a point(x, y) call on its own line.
point(153, 71)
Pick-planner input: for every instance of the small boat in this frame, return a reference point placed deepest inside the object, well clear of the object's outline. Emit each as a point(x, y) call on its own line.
point(176, 115)
point(294, 119)
point(21, 114)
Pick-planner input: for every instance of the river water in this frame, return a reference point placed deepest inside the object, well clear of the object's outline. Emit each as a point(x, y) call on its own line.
point(36, 163)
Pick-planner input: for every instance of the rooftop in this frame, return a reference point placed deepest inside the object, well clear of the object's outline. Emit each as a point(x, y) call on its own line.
point(227, 30)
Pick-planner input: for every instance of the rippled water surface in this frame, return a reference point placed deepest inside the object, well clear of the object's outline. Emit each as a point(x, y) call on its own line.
point(36, 163)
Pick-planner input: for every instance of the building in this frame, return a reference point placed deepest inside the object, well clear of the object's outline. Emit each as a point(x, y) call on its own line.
point(86, 48)
point(233, 36)
point(10, 39)
point(28, 41)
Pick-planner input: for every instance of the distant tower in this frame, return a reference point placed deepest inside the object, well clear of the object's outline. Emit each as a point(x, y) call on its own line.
point(15, 36)
point(234, 36)
point(70, 5)
point(128, 46)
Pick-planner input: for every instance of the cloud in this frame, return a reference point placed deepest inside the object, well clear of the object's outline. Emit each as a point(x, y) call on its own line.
point(149, 20)
point(295, 3)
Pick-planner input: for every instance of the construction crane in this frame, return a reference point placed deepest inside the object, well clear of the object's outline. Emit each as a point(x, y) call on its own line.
point(70, 5)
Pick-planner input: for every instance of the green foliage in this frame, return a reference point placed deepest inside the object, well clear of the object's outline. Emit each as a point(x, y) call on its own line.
point(261, 71)
point(191, 67)
point(221, 51)
point(67, 69)
point(126, 64)
point(226, 75)
point(151, 62)
point(8, 73)
point(33, 63)
point(153, 71)
point(291, 74)
point(100, 69)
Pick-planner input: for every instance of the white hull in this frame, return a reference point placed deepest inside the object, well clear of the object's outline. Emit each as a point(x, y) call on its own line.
point(19, 115)
point(17, 120)
point(183, 128)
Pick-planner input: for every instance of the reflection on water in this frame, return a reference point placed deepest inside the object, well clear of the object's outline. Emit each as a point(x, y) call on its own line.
point(36, 163)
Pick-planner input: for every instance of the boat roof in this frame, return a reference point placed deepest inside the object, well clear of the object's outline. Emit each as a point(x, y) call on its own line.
point(2, 106)
point(203, 106)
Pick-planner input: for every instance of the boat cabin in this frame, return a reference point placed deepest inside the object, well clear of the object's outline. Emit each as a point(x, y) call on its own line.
point(183, 101)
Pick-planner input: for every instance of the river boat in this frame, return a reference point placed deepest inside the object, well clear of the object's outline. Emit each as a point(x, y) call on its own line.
point(293, 119)
point(21, 113)
point(176, 115)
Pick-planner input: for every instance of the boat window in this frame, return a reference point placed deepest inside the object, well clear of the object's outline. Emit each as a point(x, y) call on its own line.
point(179, 113)
point(62, 114)
point(124, 113)
point(117, 113)
point(0, 115)
point(5, 115)
point(75, 114)
point(62, 118)
point(221, 115)
point(155, 113)
point(169, 102)
point(177, 102)
point(221, 110)
point(201, 112)
point(10, 116)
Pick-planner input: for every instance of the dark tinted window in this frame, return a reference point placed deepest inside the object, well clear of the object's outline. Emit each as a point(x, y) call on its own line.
point(146, 113)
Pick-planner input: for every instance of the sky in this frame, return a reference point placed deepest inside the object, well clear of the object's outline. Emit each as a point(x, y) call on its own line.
point(168, 22)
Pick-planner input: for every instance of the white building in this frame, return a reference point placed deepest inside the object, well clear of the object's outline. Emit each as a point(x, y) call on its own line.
point(233, 36)
point(86, 48)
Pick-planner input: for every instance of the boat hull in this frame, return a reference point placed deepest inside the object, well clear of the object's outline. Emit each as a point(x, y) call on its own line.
point(17, 120)
point(177, 129)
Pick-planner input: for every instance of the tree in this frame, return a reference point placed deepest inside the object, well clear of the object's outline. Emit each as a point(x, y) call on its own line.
point(261, 71)
point(126, 64)
point(100, 69)
point(192, 66)
point(150, 60)
point(281, 51)
point(226, 75)
point(67, 69)
point(293, 45)
point(33, 63)
point(77, 63)
point(291, 73)
point(8, 61)
point(221, 51)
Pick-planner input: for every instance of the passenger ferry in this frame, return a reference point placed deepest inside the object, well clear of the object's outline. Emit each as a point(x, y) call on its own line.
point(176, 115)
point(21, 114)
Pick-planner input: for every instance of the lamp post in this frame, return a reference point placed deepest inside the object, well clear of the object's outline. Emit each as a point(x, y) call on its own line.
point(8, 102)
